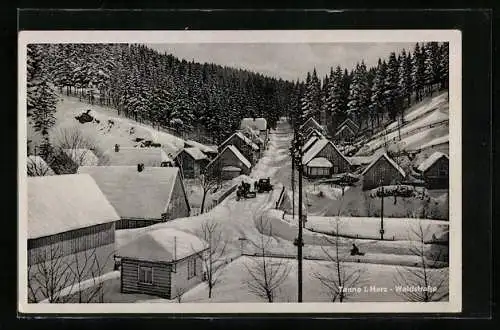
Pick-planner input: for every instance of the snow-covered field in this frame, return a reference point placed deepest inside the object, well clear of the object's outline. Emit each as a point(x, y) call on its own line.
point(111, 128)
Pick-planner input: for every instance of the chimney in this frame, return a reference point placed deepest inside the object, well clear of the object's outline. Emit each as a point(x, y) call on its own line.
point(117, 147)
point(140, 167)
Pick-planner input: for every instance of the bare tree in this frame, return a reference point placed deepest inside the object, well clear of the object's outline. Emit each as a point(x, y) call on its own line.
point(267, 274)
point(340, 276)
point(48, 274)
point(426, 281)
point(179, 292)
point(207, 183)
point(213, 260)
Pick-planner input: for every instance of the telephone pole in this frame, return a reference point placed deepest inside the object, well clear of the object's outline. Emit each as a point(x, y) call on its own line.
point(382, 193)
point(297, 159)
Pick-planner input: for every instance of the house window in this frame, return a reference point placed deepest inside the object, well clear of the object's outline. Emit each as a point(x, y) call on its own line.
point(145, 275)
point(336, 169)
point(442, 170)
point(191, 268)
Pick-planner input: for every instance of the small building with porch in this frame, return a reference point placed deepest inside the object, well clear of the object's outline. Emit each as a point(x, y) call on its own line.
point(229, 164)
point(164, 262)
point(382, 171)
point(192, 161)
point(141, 195)
point(71, 233)
point(249, 149)
point(323, 159)
point(435, 171)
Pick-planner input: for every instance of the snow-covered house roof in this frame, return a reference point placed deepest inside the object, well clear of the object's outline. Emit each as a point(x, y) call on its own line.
point(316, 148)
point(134, 194)
point(163, 245)
point(36, 166)
point(239, 155)
point(343, 128)
point(254, 123)
point(319, 162)
point(231, 169)
point(310, 142)
point(82, 156)
point(392, 162)
point(244, 138)
point(350, 123)
point(196, 153)
point(315, 132)
point(426, 164)
point(60, 203)
point(127, 156)
point(204, 148)
point(312, 121)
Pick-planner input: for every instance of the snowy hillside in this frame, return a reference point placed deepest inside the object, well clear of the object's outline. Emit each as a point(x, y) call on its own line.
point(107, 129)
point(425, 125)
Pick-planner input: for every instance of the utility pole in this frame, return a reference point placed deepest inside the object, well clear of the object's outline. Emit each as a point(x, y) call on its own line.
point(382, 213)
point(297, 152)
point(293, 186)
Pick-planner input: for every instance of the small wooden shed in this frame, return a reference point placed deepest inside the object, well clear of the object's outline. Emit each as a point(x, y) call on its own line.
point(164, 262)
point(324, 150)
point(382, 171)
point(245, 146)
point(435, 171)
point(142, 196)
point(227, 162)
point(192, 161)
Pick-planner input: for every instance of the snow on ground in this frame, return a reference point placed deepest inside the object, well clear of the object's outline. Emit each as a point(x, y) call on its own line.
point(420, 139)
point(421, 108)
point(368, 227)
point(437, 141)
point(233, 285)
point(120, 130)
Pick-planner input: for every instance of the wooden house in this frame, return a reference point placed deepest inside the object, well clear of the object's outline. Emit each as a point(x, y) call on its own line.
point(229, 164)
point(71, 232)
point(309, 143)
point(382, 171)
point(142, 196)
point(245, 145)
point(36, 166)
point(258, 125)
point(345, 134)
point(163, 262)
point(313, 132)
point(192, 161)
point(435, 171)
point(323, 159)
point(350, 123)
point(128, 156)
point(81, 157)
point(309, 125)
point(209, 151)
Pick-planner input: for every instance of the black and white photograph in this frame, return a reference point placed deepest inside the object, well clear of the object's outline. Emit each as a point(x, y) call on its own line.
point(221, 171)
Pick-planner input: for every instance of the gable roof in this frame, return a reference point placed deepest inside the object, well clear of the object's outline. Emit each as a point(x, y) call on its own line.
point(360, 160)
point(314, 131)
point(350, 123)
point(317, 147)
point(236, 152)
point(392, 162)
point(196, 153)
point(136, 195)
point(60, 203)
point(163, 245)
point(202, 147)
point(254, 123)
point(426, 164)
point(312, 121)
point(319, 162)
point(36, 166)
point(343, 128)
point(242, 137)
point(310, 143)
point(82, 156)
point(128, 156)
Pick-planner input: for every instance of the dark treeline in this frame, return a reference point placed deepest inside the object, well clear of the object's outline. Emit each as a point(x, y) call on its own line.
point(160, 89)
point(368, 95)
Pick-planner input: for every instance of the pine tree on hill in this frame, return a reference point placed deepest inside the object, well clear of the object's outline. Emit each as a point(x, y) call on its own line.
point(391, 93)
point(405, 81)
point(418, 71)
point(444, 65)
point(335, 99)
point(378, 92)
point(432, 69)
